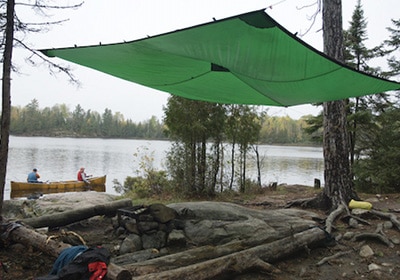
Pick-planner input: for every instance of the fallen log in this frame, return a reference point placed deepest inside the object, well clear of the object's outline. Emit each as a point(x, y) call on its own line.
point(197, 254)
point(235, 262)
point(115, 272)
point(72, 216)
point(30, 238)
point(210, 269)
point(203, 253)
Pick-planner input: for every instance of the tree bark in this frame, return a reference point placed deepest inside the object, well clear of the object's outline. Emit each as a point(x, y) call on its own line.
point(6, 98)
point(69, 217)
point(338, 183)
point(222, 261)
point(31, 238)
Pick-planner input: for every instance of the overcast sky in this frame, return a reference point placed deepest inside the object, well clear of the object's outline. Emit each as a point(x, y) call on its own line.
point(125, 20)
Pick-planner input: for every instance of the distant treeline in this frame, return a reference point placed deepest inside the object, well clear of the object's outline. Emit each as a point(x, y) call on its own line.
point(59, 121)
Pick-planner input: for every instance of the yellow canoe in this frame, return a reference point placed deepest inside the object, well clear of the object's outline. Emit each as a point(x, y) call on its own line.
point(23, 189)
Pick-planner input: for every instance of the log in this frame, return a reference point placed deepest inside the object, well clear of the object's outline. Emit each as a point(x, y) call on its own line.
point(202, 253)
point(30, 238)
point(69, 217)
point(115, 272)
point(209, 270)
point(190, 256)
point(235, 262)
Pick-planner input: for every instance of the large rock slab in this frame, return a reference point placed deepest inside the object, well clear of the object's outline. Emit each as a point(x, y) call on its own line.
point(54, 203)
point(219, 222)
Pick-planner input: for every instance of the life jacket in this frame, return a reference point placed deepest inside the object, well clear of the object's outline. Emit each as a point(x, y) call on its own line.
point(80, 176)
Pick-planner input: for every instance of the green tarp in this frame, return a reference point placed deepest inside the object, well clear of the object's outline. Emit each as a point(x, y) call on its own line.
point(245, 59)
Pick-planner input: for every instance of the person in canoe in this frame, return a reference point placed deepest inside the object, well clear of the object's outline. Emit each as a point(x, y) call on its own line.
point(82, 176)
point(33, 176)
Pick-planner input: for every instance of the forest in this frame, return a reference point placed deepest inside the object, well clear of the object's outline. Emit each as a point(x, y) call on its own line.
point(60, 121)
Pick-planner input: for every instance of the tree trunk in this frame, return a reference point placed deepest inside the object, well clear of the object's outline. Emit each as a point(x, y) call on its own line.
point(69, 217)
point(338, 184)
point(6, 98)
point(238, 262)
point(232, 164)
point(258, 163)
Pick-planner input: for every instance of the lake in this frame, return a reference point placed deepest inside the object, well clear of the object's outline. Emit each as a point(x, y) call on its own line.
point(60, 158)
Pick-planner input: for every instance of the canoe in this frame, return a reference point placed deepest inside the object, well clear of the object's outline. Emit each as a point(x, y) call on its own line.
point(24, 189)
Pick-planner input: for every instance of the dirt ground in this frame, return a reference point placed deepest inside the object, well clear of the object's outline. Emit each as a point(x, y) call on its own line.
point(18, 262)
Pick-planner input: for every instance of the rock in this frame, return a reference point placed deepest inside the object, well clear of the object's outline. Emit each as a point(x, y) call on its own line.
point(119, 231)
point(395, 240)
point(348, 235)
point(338, 237)
point(218, 222)
point(156, 240)
point(373, 266)
point(387, 225)
point(366, 251)
point(176, 238)
point(54, 203)
point(147, 226)
point(131, 226)
point(353, 223)
point(162, 213)
point(359, 211)
point(131, 243)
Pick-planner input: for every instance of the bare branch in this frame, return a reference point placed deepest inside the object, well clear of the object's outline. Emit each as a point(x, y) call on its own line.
point(313, 17)
point(38, 4)
point(51, 65)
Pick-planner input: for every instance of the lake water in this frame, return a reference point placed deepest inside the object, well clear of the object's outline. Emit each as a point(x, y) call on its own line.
point(60, 158)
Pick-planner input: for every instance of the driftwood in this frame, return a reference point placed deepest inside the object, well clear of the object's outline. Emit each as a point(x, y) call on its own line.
point(30, 238)
point(237, 262)
point(69, 217)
